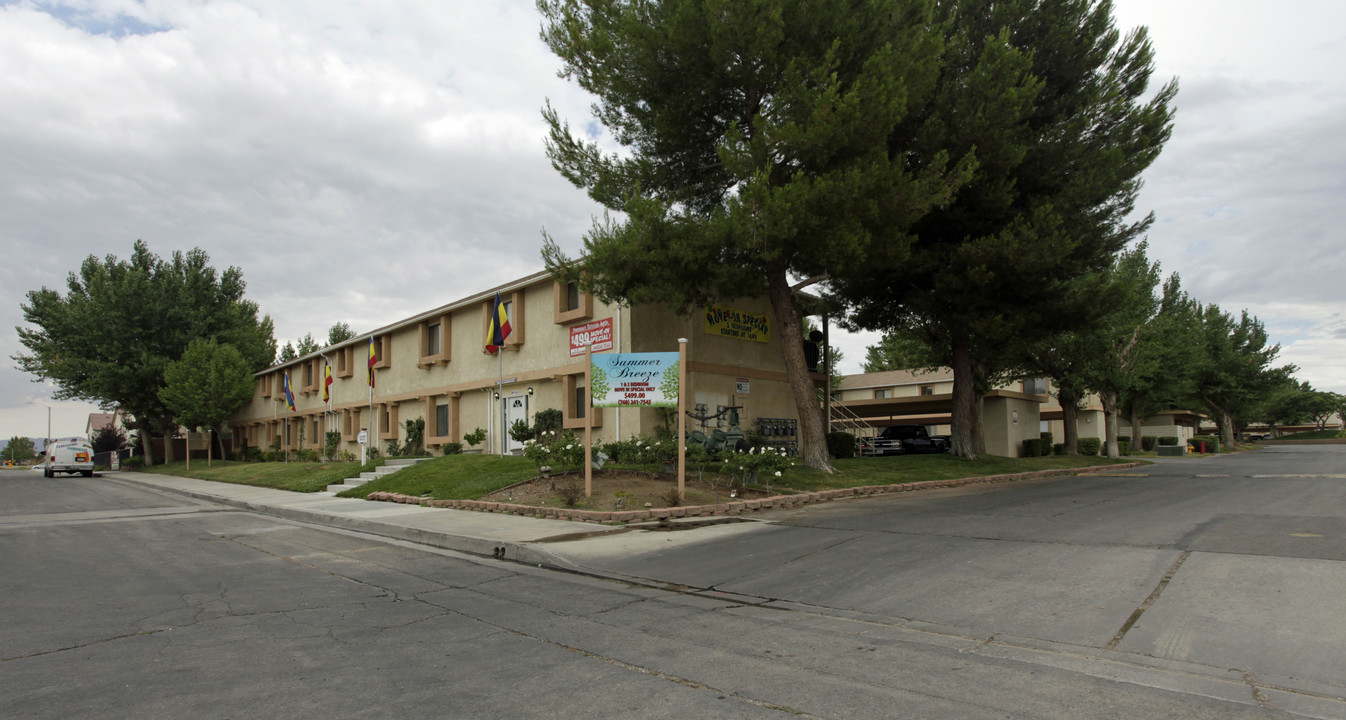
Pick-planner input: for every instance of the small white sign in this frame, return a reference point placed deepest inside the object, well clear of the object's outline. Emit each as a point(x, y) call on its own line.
point(363, 437)
point(742, 385)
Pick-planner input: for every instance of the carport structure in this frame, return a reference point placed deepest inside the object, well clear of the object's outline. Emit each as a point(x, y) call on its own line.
point(1010, 415)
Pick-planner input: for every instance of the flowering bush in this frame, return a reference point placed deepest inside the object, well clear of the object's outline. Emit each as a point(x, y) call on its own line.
point(761, 463)
point(559, 451)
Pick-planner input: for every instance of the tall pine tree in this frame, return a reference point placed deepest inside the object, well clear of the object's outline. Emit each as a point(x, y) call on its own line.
point(1059, 162)
point(756, 150)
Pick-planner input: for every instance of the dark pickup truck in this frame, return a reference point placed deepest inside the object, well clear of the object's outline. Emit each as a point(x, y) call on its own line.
point(901, 439)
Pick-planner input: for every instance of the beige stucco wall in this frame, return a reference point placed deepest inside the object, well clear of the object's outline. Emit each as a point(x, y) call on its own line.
point(1007, 422)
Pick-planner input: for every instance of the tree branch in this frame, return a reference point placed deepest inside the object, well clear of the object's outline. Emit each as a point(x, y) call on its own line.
point(810, 281)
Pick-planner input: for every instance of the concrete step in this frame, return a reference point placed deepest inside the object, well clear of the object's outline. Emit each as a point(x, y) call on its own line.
point(391, 466)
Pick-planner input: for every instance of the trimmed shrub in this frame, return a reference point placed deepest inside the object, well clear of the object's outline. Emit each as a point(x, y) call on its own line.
point(1059, 449)
point(1040, 447)
point(452, 448)
point(1124, 447)
point(1168, 440)
point(1089, 447)
point(1212, 443)
point(1147, 442)
point(841, 445)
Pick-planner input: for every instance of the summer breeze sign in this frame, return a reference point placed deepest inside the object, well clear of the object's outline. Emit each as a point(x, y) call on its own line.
point(634, 380)
point(729, 322)
point(597, 333)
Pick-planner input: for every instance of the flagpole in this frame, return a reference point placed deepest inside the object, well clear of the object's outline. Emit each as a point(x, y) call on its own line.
point(500, 393)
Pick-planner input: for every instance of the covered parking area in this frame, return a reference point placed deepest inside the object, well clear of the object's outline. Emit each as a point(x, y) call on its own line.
point(1008, 416)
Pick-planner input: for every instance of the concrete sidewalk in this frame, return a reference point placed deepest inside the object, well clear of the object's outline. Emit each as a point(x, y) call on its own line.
point(497, 535)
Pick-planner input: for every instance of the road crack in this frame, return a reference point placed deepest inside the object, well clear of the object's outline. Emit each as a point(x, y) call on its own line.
point(1154, 595)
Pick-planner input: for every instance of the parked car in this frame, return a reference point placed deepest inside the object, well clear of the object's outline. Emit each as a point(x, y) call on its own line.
point(900, 439)
point(71, 456)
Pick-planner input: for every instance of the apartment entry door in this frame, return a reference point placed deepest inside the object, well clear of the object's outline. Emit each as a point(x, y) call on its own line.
point(516, 408)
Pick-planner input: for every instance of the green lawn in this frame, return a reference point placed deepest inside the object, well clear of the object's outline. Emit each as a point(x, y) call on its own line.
point(466, 477)
point(296, 476)
point(454, 477)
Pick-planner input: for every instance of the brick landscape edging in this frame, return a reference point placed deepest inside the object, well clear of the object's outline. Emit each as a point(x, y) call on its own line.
point(739, 507)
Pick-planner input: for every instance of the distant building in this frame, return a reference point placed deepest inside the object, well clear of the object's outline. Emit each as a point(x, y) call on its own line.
point(98, 421)
point(1010, 414)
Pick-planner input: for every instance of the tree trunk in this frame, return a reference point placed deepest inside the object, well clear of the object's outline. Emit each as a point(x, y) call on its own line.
point(219, 438)
point(1110, 412)
point(146, 445)
point(1070, 415)
point(1137, 430)
point(168, 447)
point(812, 435)
point(1226, 429)
point(967, 438)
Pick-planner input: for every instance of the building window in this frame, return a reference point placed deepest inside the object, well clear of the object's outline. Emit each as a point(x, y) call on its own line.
point(927, 389)
point(432, 339)
point(573, 392)
point(1036, 386)
point(570, 304)
point(383, 351)
point(884, 393)
point(442, 420)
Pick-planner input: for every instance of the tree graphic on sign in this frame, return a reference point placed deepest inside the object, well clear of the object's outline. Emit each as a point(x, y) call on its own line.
point(598, 384)
point(669, 387)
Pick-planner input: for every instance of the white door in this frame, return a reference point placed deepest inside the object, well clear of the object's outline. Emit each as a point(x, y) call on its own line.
point(516, 408)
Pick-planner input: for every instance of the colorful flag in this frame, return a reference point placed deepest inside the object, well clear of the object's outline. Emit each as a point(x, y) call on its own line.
point(289, 396)
point(495, 337)
point(373, 358)
point(326, 382)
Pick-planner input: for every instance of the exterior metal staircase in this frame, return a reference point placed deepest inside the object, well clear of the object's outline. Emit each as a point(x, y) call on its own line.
point(845, 420)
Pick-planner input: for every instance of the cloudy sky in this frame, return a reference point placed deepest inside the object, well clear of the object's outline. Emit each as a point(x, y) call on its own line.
point(348, 155)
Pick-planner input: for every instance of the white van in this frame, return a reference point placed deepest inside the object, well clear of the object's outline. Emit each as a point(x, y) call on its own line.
point(69, 456)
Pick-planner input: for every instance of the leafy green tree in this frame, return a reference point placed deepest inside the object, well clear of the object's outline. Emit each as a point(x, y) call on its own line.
point(1295, 402)
point(109, 438)
point(1233, 374)
point(1166, 352)
point(1320, 407)
point(756, 151)
point(900, 349)
point(1056, 106)
point(339, 332)
point(287, 353)
point(112, 335)
point(19, 449)
point(307, 344)
point(208, 384)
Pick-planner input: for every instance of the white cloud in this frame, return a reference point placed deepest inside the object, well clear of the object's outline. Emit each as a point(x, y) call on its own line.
point(347, 155)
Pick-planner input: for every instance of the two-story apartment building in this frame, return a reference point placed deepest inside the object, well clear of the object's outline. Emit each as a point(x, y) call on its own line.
point(434, 366)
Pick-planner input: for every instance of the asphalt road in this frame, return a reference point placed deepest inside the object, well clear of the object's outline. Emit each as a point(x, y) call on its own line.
point(1193, 589)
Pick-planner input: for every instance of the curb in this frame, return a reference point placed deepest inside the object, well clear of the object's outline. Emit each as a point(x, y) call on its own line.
point(740, 507)
point(486, 547)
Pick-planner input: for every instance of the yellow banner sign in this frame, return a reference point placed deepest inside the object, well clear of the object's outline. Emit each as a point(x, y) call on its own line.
point(729, 322)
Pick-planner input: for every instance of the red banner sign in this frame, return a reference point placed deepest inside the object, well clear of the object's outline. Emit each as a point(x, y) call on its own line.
point(597, 333)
